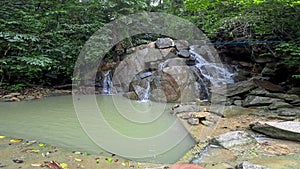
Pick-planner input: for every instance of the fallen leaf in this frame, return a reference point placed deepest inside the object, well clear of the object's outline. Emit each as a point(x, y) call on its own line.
point(2, 136)
point(78, 159)
point(16, 140)
point(41, 145)
point(77, 152)
point(36, 165)
point(109, 160)
point(64, 165)
point(31, 151)
point(53, 165)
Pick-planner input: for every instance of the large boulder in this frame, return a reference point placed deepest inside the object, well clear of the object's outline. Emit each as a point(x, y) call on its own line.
point(234, 89)
point(247, 165)
point(289, 130)
point(137, 62)
point(233, 139)
point(189, 88)
point(252, 100)
point(164, 88)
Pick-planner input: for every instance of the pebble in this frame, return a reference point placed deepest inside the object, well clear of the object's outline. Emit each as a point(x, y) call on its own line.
point(18, 161)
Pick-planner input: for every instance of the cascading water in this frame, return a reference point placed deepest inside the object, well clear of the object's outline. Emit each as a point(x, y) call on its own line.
point(214, 72)
point(107, 83)
point(147, 92)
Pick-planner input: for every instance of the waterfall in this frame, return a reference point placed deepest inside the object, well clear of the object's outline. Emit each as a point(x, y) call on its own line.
point(215, 72)
point(107, 83)
point(145, 97)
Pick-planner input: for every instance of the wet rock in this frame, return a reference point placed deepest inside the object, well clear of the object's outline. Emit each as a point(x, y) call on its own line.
point(131, 95)
point(233, 139)
point(186, 166)
point(199, 115)
point(185, 79)
point(288, 112)
point(268, 71)
point(141, 88)
point(207, 52)
point(268, 85)
point(193, 121)
point(186, 108)
point(181, 44)
point(258, 101)
point(14, 99)
point(259, 92)
point(247, 165)
point(294, 90)
point(183, 53)
point(162, 43)
point(279, 104)
point(289, 130)
point(173, 62)
point(134, 64)
point(19, 161)
point(237, 102)
point(236, 88)
point(230, 111)
point(263, 59)
point(166, 87)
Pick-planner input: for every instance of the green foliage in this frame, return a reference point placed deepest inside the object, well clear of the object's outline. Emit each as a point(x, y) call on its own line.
point(296, 76)
point(41, 40)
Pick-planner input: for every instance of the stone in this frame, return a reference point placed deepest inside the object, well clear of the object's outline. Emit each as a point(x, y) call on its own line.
point(237, 102)
point(252, 100)
point(15, 94)
point(181, 44)
point(7, 96)
point(186, 108)
point(162, 43)
point(234, 89)
point(288, 112)
point(233, 139)
point(263, 59)
point(230, 111)
point(289, 130)
point(279, 104)
point(141, 88)
point(166, 87)
point(12, 99)
point(294, 90)
point(131, 95)
point(259, 92)
point(132, 65)
point(189, 88)
point(247, 165)
point(207, 52)
point(268, 85)
point(193, 121)
point(186, 166)
point(183, 53)
point(267, 71)
point(187, 115)
point(173, 62)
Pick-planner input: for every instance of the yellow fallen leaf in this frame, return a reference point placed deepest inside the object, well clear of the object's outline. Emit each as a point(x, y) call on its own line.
point(16, 140)
point(78, 159)
point(41, 145)
point(32, 151)
point(2, 136)
point(64, 165)
point(36, 165)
